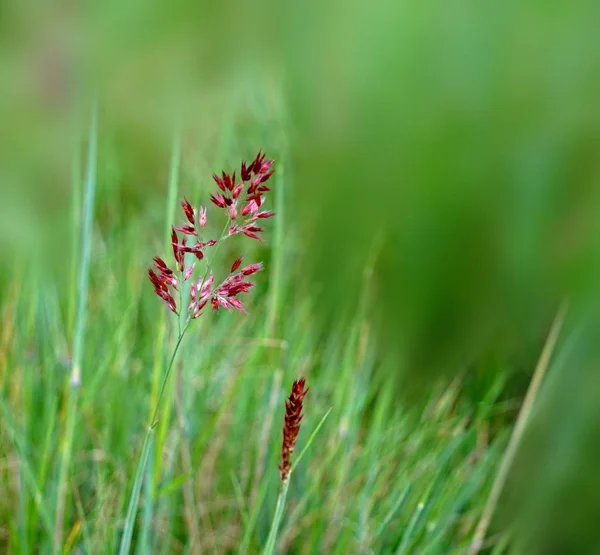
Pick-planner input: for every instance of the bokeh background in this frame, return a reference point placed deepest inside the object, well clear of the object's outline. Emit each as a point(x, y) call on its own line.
point(438, 176)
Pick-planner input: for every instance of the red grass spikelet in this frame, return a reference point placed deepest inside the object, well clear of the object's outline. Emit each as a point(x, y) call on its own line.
point(229, 181)
point(219, 182)
point(291, 426)
point(235, 265)
point(218, 200)
point(202, 217)
point(245, 173)
point(257, 162)
point(188, 273)
point(252, 269)
point(238, 189)
point(189, 211)
point(163, 283)
point(251, 207)
point(185, 229)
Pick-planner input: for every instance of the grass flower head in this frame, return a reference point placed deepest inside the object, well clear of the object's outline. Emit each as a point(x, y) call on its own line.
point(291, 426)
point(241, 202)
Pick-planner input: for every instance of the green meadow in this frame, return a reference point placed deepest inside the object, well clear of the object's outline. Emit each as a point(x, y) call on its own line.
point(431, 271)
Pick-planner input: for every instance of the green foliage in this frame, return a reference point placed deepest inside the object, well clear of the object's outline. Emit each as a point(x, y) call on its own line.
point(437, 196)
point(378, 475)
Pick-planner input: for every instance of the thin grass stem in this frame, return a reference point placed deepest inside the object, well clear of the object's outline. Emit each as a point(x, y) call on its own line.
point(159, 351)
point(80, 324)
point(272, 539)
point(519, 429)
point(143, 460)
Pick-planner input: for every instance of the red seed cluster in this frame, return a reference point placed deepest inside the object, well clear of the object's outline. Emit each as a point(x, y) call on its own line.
point(225, 295)
point(291, 427)
point(164, 282)
point(243, 200)
point(187, 239)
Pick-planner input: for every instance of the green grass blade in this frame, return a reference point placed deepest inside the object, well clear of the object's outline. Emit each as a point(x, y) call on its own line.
point(80, 325)
point(253, 518)
point(418, 519)
point(135, 495)
point(143, 460)
point(160, 344)
point(310, 440)
point(275, 280)
point(26, 466)
point(395, 509)
point(272, 539)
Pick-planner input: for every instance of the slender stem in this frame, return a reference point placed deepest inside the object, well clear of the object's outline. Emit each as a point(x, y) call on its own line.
point(519, 429)
point(166, 377)
point(139, 474)
point(180, 304)
point(86, 251)
point(154, 467)
point(277, 267)
point(222, 238)
point(79, 332)
point(270, 547)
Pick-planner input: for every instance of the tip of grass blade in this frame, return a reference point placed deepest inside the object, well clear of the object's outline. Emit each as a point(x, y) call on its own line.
point(310, 440)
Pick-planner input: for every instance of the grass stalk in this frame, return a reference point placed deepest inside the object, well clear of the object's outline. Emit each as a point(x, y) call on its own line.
point(277, 268)
point(266, 431)
point(272, 539)
point(159, 349)
point(143, 460)
point(172, 192)
point(519, 429)
point(189, 497)
point(29, 480)
point(80, 324)
point(75, 231)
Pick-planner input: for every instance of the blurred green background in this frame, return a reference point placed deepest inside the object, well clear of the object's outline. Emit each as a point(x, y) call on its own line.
point(438, 192)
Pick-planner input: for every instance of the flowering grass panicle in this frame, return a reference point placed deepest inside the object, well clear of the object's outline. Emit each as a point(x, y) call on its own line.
point(291, 427)
point(241, 202)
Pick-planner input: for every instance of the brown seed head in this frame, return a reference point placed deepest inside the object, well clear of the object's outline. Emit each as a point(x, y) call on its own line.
point(291, 426)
